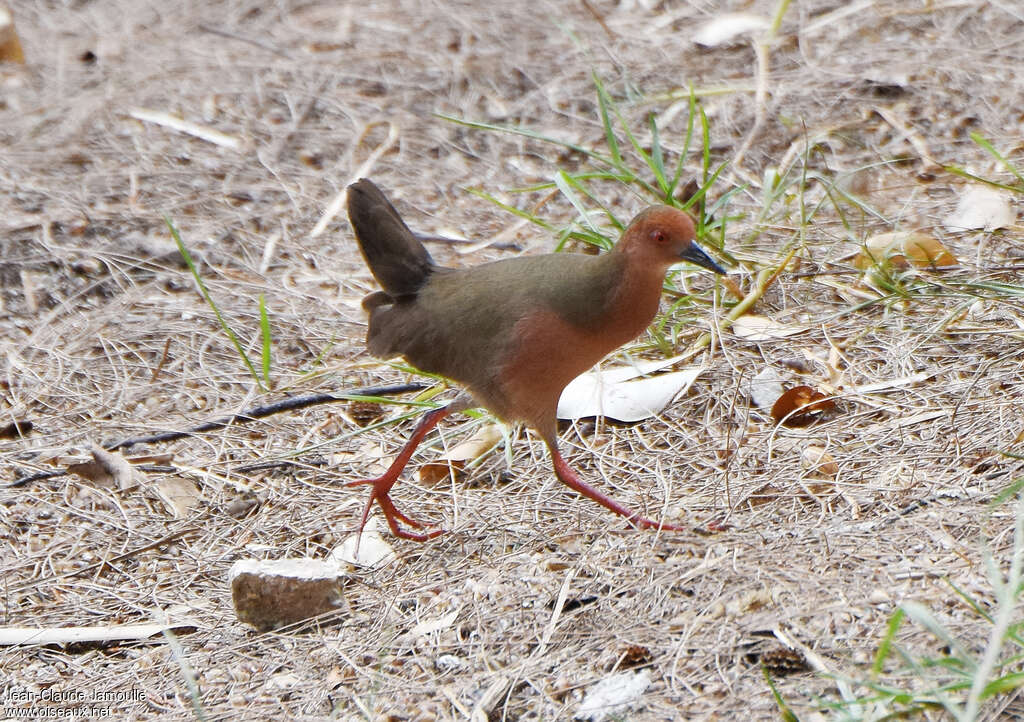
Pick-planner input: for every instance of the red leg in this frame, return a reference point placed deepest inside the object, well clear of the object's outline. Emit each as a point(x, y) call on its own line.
point(568, 477)
point(382, 484)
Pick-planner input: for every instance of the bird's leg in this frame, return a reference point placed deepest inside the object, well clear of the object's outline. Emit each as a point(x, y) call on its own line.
point(568, 477)
point(383, 483)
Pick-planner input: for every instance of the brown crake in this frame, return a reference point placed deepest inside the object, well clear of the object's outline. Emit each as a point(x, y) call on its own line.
point(514, 332)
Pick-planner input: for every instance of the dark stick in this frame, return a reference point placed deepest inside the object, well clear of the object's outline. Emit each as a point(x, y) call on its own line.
point(242, 417)
point(245, 39)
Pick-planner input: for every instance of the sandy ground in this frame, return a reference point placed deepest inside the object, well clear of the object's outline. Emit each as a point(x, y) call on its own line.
point(534, 595)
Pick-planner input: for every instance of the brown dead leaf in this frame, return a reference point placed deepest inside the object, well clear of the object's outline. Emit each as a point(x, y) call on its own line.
point(800, 405)
point(178, 495)
point(819, 462)
point(10, 45)
point(15, 429)
point(635, 655)
point(107, 468)
point(483, 440)
point(782, 661)
point(365, 413)
point(763, 495)
point(904, 249)
point(435, 472)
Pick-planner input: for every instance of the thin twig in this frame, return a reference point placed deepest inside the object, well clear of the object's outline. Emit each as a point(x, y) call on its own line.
point(251, 41)
point(242, 417)
point(163, 360)
point(765, 278)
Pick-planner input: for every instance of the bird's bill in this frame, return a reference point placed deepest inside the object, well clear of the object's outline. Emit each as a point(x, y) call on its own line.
point(696, 255)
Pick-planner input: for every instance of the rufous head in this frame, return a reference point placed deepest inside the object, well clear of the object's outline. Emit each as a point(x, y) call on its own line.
point(663, 235)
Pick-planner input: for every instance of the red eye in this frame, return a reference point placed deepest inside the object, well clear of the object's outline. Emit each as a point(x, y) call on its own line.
point(658, 236)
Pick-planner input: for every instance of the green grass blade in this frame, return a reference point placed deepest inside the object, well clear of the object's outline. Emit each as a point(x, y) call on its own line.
point(480, 125)
point(565, 185)
point(785, 712)
point(1009, 683)
point(607, 102)
point(990, 149)
point(209, 300)
point(1009, 492)
point(968, 600)
point(886, 646)
point(603, 100)
point(970, 176)
point(265, 337)
point(677, 176)
point(513, 210)
point(705, 129)
point(658, 158)
point(923, 616)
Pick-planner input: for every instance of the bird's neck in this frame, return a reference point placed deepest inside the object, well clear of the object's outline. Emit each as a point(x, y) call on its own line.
point(635, 295)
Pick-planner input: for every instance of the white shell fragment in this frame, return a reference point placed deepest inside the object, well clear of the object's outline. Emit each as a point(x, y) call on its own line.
point(613, 696)
point(726, 29)
point(982, 208)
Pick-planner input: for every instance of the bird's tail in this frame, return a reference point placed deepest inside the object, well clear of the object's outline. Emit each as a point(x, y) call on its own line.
point(397, 259)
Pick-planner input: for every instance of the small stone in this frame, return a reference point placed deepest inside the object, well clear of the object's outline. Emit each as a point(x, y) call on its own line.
point(272, 594)
point(879, 596)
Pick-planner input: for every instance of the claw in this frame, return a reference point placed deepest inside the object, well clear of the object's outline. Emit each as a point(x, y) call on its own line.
point(382, 485)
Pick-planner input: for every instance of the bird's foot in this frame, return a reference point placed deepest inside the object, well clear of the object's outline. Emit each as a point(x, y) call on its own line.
point(379, 493)
point(568, 477)
point(642, 522)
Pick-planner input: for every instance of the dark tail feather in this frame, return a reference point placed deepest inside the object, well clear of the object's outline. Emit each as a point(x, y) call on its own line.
point(397, 259)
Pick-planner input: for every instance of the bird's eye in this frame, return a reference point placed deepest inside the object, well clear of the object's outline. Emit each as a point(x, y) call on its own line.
point(658, 236)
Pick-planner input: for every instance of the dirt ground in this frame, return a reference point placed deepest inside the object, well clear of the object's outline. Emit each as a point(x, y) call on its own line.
point(534, 595)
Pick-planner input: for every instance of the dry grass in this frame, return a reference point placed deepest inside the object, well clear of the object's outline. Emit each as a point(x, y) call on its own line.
point(104, 337)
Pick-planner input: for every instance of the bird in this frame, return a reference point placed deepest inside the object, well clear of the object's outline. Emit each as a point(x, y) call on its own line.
point(512, 332)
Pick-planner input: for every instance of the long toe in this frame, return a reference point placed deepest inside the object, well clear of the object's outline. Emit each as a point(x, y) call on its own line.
point(391, 511)
point(393, 516)
point(376, 481)
point(642, 522)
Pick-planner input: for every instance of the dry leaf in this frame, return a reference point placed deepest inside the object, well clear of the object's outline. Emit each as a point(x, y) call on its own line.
point(635, 655)
point(178, 495)
point(365, 413)
point(606, 394)
point(763, 495)
point(26, 636)
point(752, 327)
point(766, 387)
point(15, 429)
point(373, 549)
point(483, 440)
point(165, 458)
point(429, 626)
point(800, 406)
point(10, 45)
point(242, 505)
point(903, 249)
point(454, 461)
point(611, 697)
point(982, 207)
point(893, 383)
point(434, 472)
point(819, 462)
point(782, 661)
point(727, 28)
point(107, 468)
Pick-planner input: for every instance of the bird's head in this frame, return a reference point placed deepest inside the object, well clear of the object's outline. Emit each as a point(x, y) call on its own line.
point(664, 235)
